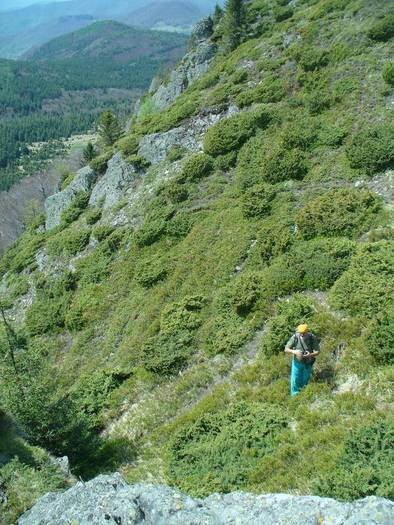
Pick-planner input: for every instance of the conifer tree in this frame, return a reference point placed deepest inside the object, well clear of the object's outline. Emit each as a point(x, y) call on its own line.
point(109, 128)
point(233, 23)
point(217, 14)
point(89, 153)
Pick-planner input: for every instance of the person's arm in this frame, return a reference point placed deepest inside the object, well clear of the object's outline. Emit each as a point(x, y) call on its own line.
point(290, 350)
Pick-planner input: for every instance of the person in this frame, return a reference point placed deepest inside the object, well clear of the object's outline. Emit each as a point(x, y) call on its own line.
point(304, 347)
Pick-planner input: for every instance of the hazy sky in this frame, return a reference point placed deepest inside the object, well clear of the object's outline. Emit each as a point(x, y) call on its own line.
point(14, 4)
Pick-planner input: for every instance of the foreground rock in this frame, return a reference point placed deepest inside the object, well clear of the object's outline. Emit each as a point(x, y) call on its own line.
point(109, 499)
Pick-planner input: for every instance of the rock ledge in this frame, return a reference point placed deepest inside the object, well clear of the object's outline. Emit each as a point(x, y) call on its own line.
point(110, 500)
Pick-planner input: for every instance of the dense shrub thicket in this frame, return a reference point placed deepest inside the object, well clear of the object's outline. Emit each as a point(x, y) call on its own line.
point(338, 212)
point(222, 448)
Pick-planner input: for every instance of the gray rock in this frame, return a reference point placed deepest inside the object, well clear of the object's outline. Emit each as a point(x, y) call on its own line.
point(109, 499)
point(194, 64)
point(111, 187)
point(190, 135)
point(202, 30)
point(54, 205)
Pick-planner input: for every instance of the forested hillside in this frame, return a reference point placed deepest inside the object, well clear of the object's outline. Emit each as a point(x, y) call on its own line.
point(67, 89)
point(145, 316)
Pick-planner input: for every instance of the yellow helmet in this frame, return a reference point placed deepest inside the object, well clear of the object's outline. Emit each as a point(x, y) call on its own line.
point(302, 328)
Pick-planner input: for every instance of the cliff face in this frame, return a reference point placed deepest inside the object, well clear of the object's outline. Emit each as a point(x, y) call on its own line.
point(109, 499)
point(154, 304)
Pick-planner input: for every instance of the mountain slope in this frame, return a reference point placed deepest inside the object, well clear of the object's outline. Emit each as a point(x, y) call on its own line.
point(153, 302)
point(111, 40)
point(72, 80)
point(16, 45)
point(24, 28)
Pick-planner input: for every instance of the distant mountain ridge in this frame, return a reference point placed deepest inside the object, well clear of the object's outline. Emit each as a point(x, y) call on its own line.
point(109, 39)
point(41, 22)
point(172, 13)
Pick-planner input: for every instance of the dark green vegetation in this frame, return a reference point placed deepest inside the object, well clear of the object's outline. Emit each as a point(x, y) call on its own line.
point(177, 319)
point(66, 84)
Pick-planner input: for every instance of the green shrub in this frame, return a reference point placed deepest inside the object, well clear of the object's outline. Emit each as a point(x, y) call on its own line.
point(150, 232)
point(229, 134)
point(382, 30)
point(176, 153)
point(83, 308)
point(257, 200)
point(100, 163)
point(180, 225)
point(372, 149)
point(275, 238)
point(379, 337)
point(240, 295)
point(225, 162)
point(93, 215)
point(47, 315)
point(69, 242)
point(310, 265)
point(75, 209)
point(166, 355)
point(366, 288)
point(289, 314)
point(138, 162)
point(76, 241)
point(197, 167)
point(338, 212)
point(19, 286)
point(331, 135)
point(182, 315)
point(282, 13)
point(22, 253)
point(282, 164)
point(270, 89)
point(312, 58)
point(151, 271)
point(128, 145)
point(300, 132)
point(219, 451)
point(175, 192)
point(92, 392)
point(101, 232)
point(94, 268)
point(316, 102)
point(228, 333)
point(66, 178)
point(388, 73)
point(365, 467)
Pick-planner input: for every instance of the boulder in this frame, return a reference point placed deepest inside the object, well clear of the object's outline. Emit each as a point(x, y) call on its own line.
point(109, 499)
point(189, 135)
point(57, 203)
point(111, 187)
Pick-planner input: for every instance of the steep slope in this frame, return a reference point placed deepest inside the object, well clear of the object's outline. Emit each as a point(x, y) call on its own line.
point(153, 301)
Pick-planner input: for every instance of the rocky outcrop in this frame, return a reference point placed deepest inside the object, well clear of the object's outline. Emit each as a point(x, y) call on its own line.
point(193, 65)
point(190, 135)
point(109, 499)
point(57, 203)
point(119, 177)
